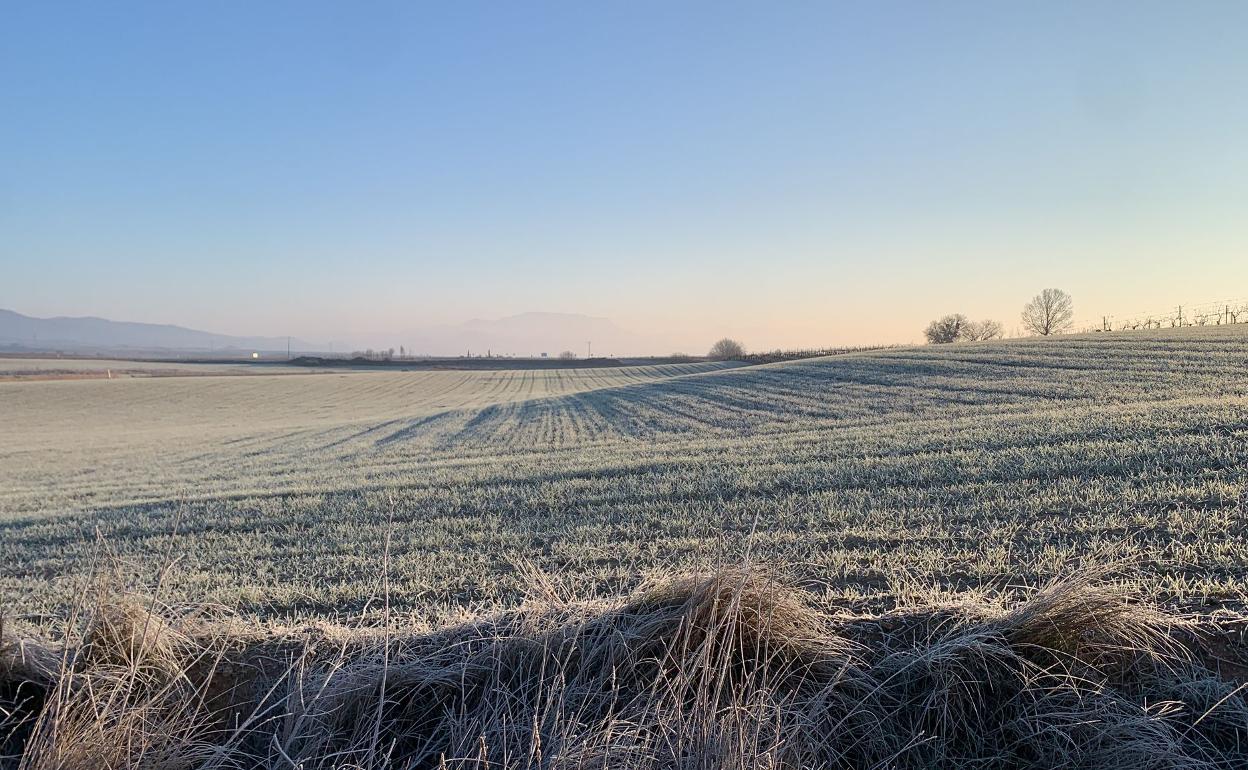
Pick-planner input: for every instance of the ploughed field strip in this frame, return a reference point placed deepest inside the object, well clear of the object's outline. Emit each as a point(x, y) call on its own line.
point(13, 368)
point(868, 478)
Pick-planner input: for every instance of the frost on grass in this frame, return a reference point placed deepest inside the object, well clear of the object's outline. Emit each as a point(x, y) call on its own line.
point(908, 492)
point(971, 464)
point(727, 670)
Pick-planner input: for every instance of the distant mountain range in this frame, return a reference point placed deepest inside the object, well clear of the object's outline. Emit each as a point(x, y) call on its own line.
point(526, 334)
point(90, 334)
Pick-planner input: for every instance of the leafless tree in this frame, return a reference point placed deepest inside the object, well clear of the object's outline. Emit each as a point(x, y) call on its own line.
point(947, 329)
point(726, 349)
point(1050, 312)
point(566, 355)
point(986, 329)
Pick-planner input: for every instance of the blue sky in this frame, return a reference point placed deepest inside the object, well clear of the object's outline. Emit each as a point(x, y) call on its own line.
point(790, 173)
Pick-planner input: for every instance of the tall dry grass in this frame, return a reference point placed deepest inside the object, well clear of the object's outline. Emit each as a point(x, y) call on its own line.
point(731, 670)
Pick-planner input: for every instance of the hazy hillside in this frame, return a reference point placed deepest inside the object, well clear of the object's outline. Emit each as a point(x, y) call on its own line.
point(89, 333)
point(525, 334)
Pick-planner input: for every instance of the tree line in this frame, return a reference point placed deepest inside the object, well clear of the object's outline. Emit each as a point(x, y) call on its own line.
point(1052, 311)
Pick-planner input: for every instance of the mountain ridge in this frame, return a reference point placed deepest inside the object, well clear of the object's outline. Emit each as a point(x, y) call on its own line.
point(96, 333)
point(530, 333)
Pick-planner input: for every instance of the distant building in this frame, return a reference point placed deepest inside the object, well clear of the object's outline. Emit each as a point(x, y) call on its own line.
point(543, 355)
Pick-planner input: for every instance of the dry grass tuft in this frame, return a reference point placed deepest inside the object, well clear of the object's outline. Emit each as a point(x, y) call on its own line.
point(1095, 623)
point(28, 672)
point(123, 696)
point(732, 670)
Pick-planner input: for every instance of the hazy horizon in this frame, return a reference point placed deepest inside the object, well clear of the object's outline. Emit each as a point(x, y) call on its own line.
point(790, 176)
point(514, 335)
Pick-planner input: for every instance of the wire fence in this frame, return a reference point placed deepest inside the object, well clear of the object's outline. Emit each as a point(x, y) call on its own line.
point(1233, 311)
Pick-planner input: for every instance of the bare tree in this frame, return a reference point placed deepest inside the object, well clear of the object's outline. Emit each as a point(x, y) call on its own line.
point(947, 329)
point(566, 355)
point(1052, 311)
point(726, 349)
point(986, 329)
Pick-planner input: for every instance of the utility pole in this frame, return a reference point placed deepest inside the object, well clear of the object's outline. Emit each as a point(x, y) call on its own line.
point(287, 347)
point(589, 349)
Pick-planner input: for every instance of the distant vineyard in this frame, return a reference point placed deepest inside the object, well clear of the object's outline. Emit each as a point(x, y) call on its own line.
point(1222, 313)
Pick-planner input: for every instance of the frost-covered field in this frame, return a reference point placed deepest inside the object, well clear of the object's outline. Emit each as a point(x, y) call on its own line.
point(68, 368)
point(865, 477)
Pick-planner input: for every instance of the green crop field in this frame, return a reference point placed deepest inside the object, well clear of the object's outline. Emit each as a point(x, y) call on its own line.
point(876, 524)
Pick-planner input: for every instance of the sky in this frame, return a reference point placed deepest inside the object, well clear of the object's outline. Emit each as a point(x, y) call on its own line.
point(791, 174)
